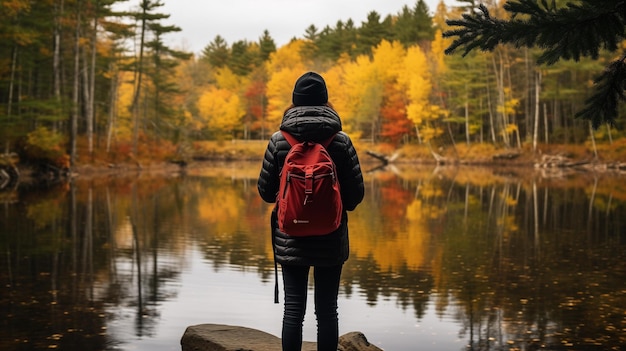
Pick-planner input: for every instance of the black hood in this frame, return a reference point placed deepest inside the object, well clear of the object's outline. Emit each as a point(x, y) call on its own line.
point(311, 123)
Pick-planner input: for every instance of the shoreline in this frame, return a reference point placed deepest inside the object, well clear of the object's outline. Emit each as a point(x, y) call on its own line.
point(521, 165)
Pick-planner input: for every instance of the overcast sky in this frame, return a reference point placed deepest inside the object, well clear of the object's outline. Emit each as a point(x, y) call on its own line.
point(202, 20)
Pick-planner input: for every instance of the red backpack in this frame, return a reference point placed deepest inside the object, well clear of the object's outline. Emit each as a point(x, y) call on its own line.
point(309, 197)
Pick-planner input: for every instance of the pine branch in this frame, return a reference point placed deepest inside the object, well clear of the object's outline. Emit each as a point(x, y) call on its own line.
point(602, 106)
point(478, 30)
point(571, 32)
point(578, 30)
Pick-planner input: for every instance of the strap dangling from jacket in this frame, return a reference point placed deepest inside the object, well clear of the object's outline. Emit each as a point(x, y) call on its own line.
point(272, 221)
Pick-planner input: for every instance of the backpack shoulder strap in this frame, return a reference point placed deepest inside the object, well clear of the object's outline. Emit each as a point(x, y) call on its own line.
point(290, 138)
point(328, 141)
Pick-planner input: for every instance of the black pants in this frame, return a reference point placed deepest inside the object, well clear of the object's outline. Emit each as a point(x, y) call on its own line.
point(295, 279)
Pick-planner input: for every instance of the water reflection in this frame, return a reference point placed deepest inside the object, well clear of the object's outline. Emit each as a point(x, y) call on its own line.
point(508, 261)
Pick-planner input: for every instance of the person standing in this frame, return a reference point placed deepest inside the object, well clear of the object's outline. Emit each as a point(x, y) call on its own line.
point(311, 118)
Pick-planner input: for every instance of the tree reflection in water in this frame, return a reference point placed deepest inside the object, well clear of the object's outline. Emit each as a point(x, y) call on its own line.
point(514, 261)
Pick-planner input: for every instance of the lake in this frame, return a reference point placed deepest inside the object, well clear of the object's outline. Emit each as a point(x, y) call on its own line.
point(441, 258)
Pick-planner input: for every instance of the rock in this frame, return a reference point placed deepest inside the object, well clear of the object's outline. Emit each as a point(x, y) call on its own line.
point(218, 337)
point(356, 341)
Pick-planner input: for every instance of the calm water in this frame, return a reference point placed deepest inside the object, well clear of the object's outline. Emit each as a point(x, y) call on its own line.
point(441, 259)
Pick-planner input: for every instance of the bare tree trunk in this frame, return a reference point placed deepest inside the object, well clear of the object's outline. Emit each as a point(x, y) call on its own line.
point(467, 126)
point(139, 74)
point(87, 98)
point(92, 82)
point(417, 132)
point(12, 81)
point(501, 99)
point(482, 129)
point(74, 118)
point(452, 140)
point(556, 123)
point(492, 129)
point(157, 91)
point(593, 142)
point(545, 123)
point(112, 107)
point(56, 59)
point(536, 123)
point(7, 145)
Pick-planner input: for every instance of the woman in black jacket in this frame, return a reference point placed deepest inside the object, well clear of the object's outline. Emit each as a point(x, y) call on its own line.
point(312, 118)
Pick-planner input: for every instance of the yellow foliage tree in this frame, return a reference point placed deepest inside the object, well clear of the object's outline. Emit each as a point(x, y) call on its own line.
point(226, 79)
point(338, 94)
point(363, 93)
point(416, 79)
point(388, 58)
point(219, 110)
point(288, 57)
point(364, 80)
point(284, 67)
point(439, 43)
point(437, 52)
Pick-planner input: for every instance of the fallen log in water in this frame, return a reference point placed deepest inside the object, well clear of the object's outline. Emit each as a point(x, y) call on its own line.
point(9, 174)
point(559, 161)
point(378, 156)
point(382, 157)
point(507, 156)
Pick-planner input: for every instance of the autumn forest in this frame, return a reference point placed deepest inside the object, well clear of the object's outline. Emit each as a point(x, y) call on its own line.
point(80, 82)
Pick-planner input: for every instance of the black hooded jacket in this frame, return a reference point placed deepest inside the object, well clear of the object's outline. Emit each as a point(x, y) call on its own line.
point(312, 123)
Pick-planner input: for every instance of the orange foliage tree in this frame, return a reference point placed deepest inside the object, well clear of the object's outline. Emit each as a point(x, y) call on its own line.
point(254, 97)
point(395, 124)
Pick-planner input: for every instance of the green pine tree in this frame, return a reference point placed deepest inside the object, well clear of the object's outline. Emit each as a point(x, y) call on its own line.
point(266, 45)
point(241, 58)
point(579, 29)
point(413, 26)
point(161, 69)
point(372, 32)
point(217, 53)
